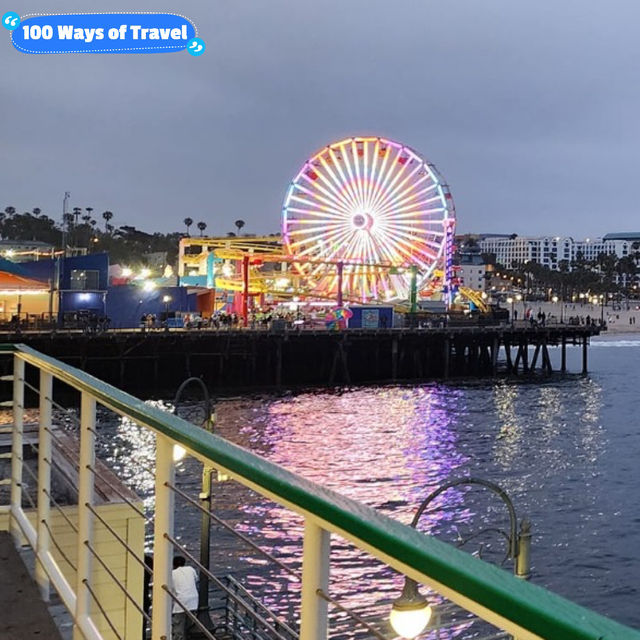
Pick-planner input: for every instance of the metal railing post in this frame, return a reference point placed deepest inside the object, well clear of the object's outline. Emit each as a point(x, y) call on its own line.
point(16, 446)
point(315, 576)
point(44, 482)
point(162, 548)
point(85, 517)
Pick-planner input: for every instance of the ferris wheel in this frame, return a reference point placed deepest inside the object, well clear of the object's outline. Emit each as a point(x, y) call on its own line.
point(375, 207)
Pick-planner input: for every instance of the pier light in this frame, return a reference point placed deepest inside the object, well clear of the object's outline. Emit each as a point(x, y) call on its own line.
point(510, 300)
point(410, 613)
point(554, 299)
point(166, 299)
point(148, 285)
point(519, 296)
point(127, 273)
point(145, 273)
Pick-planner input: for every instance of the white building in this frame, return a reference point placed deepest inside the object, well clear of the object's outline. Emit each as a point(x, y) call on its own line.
point(551, 250)
point(546, 250)
point(472, 276)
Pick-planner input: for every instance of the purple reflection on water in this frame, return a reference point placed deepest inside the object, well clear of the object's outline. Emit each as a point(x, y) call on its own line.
point(385, 447)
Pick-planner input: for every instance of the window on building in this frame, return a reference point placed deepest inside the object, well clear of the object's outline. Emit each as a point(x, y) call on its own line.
point(83, 279)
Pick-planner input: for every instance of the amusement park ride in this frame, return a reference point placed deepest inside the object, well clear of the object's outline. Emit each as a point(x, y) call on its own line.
point(365, 221)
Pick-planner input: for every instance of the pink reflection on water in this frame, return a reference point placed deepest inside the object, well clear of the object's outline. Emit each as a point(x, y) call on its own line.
point(385, 447)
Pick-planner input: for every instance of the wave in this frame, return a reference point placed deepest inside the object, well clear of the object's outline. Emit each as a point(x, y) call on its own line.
point(615, 343)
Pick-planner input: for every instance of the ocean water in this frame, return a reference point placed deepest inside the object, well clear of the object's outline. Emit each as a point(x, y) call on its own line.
point(565, 448)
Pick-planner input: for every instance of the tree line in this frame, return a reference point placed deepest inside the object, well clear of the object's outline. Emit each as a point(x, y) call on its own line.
point(85, 229)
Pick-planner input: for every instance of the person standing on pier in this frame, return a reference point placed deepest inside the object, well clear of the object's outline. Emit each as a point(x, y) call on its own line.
point(185, 588)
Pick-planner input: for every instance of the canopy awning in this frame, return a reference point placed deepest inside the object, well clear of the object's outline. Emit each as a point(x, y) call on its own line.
point(13, 283)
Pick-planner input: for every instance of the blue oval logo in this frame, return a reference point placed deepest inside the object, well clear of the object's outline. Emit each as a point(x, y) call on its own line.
point(103, 33)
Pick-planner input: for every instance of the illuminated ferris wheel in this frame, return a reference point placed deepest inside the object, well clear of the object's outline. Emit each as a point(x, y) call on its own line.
point(375, 207)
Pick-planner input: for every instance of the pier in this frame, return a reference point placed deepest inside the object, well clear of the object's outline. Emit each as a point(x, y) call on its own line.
point(154, 361)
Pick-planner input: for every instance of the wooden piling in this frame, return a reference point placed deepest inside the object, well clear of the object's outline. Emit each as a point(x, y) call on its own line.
point(394, 358)
point(447, 354)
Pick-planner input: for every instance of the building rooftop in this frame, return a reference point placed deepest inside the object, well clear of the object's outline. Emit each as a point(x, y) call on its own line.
point(31, 243)
point(628, 235)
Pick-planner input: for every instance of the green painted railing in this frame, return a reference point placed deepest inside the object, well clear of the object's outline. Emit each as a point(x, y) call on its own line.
point(519, 607)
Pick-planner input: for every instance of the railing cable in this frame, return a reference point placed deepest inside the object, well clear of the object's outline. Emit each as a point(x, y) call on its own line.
point(230, 528)
point(85, 582)
point(359, 619)
point(228, 591)
point(60, 510)
point(115, 534)
point(45, 524)
point(193, 618)
point(125, 498)
point(96, 555)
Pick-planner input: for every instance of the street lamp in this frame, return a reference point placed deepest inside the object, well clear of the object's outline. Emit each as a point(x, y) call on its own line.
point(510, 301)
point(205, 496)
point(166, 300)
point(410, 613)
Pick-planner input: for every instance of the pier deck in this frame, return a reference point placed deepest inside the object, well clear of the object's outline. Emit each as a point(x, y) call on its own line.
point(24, 614)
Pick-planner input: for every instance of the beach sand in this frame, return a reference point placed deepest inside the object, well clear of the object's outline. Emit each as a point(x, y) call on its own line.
point(619, 318)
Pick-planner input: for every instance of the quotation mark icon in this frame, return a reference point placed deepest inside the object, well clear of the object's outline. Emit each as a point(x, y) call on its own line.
point(10, 20)
point(196, 46)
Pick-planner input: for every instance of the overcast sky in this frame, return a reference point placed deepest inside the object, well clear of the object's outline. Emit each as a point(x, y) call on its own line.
point(531, 111)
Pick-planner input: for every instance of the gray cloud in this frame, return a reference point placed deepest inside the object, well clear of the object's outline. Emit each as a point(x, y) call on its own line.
point(528, 109)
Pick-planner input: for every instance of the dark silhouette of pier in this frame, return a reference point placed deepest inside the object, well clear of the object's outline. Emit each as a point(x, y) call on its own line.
point(151, 362)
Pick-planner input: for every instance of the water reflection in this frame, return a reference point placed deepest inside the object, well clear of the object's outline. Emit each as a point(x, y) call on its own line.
point(389, 447)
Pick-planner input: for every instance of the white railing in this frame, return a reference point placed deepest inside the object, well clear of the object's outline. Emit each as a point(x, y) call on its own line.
point(513, 605)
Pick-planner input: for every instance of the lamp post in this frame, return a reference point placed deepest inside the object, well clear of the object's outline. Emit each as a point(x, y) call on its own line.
point(205, 500)
point(166, 300)
point(511, 301)
point(413, 294)
point(410, 613)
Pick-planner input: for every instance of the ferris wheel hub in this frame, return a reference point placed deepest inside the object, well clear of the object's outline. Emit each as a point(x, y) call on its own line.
point(362, 221)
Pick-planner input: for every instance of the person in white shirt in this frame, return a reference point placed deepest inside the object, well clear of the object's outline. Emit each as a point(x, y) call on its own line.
point(185, 589)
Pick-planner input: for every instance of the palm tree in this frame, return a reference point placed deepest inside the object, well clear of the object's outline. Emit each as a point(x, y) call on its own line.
point(187, 223)
point(89, 210)
point(107, 215)
point(202, 226)
point(86, 218)
point(68, 218)
point(10, 210)
point(239, 224)
point(37, 211)
point(76, 213)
